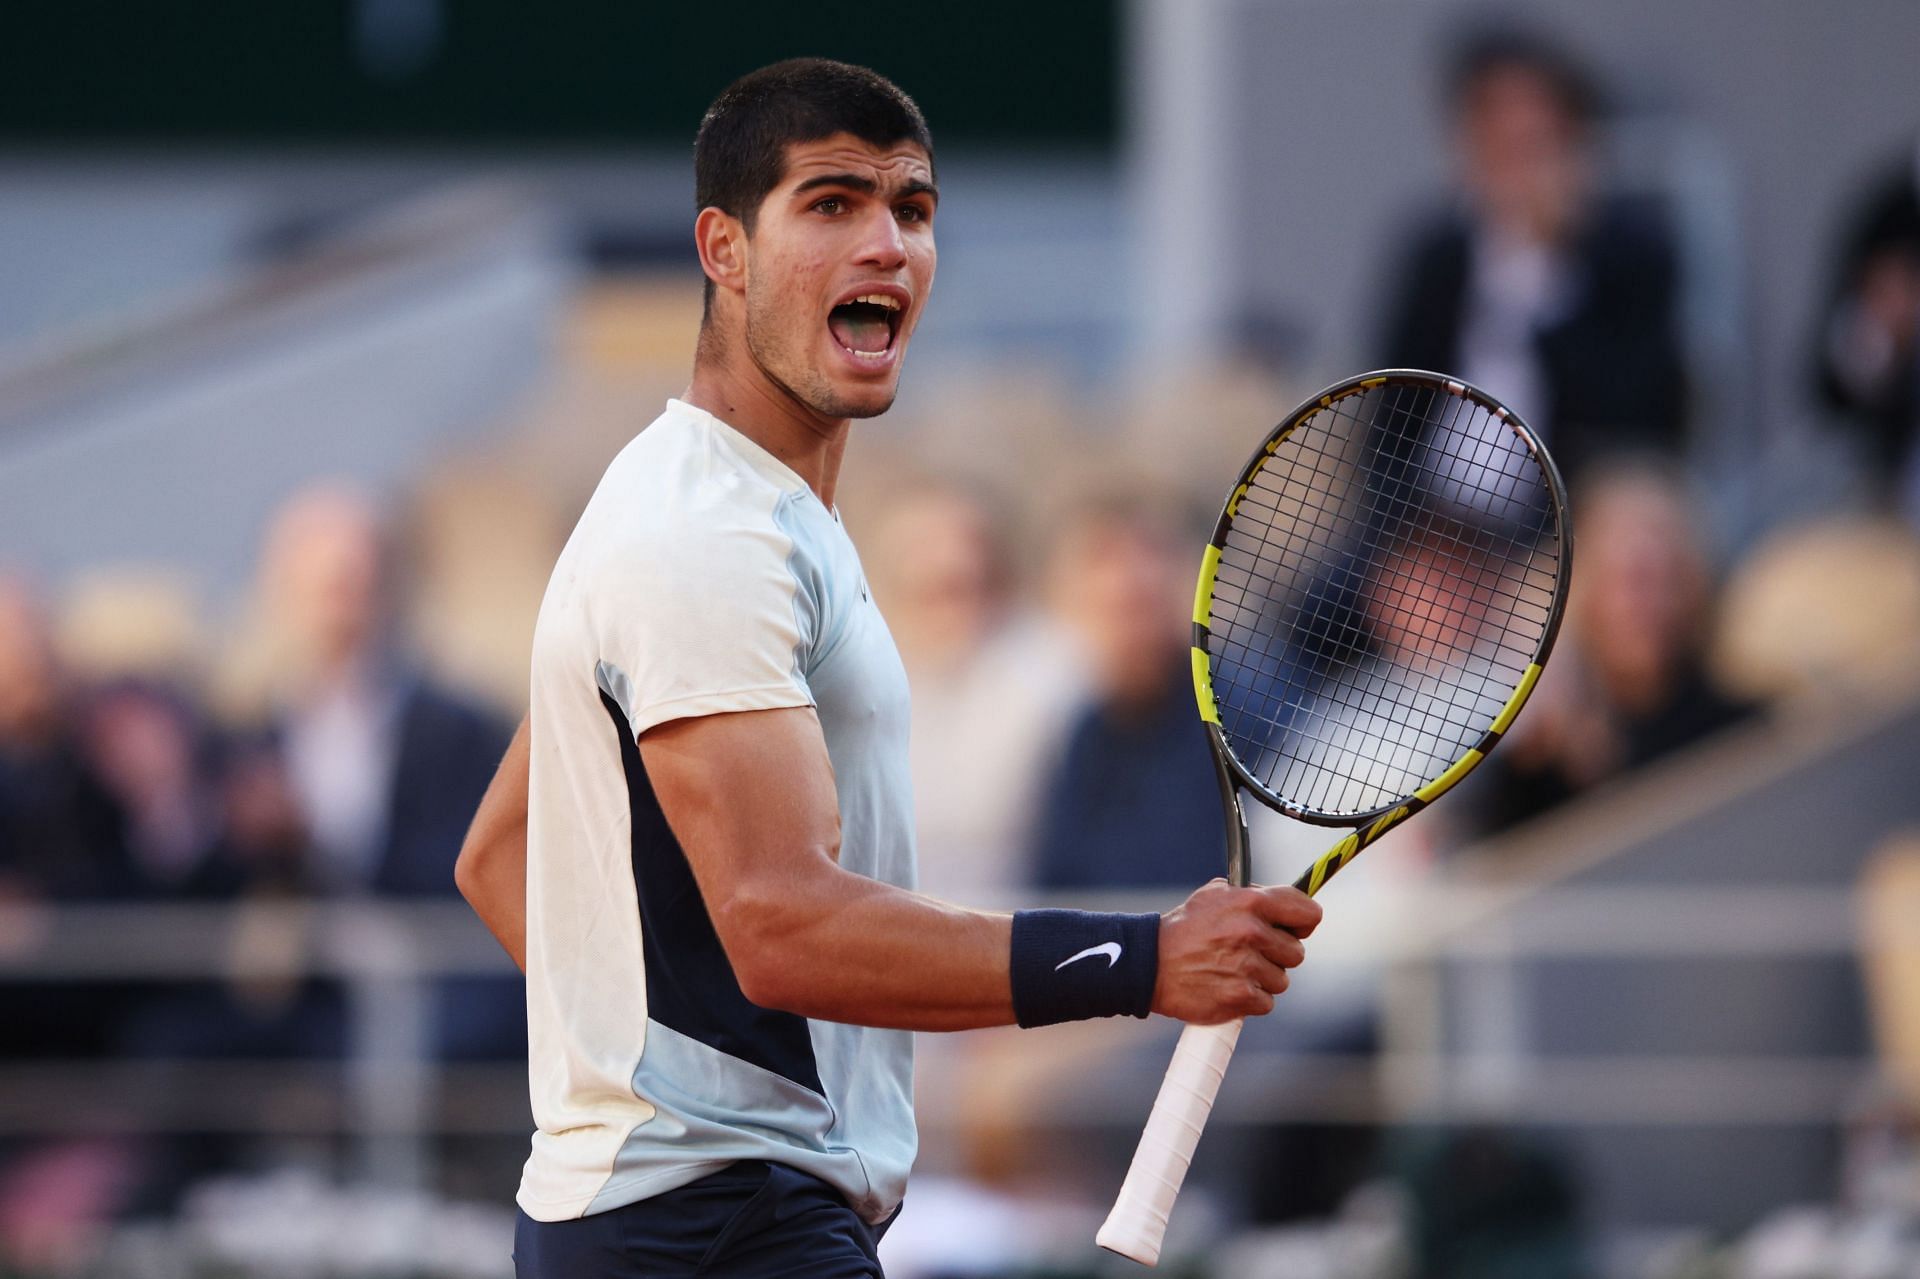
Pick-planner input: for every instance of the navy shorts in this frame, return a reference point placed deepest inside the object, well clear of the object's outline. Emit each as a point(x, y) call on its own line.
point(750, 1220)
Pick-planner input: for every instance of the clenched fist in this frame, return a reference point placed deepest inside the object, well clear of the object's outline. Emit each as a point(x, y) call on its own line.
point(1224, 952)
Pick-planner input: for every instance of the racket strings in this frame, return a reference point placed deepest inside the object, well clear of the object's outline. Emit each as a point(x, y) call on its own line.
point(1529, 610)
point(1388, 576)
point(1405, 725)
point(1408, 725)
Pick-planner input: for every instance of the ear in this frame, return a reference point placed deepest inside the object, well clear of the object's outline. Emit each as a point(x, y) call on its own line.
point(722, 242)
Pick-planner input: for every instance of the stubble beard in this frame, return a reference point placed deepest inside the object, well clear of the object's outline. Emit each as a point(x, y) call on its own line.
point(788, 368)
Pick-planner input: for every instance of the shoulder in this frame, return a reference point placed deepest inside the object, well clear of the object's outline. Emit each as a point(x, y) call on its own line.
point(688, 465)
point(687, 501)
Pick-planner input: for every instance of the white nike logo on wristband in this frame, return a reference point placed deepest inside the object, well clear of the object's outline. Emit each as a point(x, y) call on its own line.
point(1111, 949)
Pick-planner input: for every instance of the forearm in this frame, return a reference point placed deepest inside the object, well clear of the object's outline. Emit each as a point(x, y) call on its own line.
point(495, 885)
point(492, 868)
point(841, 947)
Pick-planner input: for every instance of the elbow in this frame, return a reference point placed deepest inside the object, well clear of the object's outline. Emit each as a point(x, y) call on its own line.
point(467, 873)
point(762, 943)
point(764, 988)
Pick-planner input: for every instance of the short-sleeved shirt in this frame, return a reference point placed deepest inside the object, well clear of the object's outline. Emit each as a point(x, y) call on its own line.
point(704, 577)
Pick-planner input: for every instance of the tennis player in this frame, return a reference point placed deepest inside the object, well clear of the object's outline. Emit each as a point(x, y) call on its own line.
point(701, 850)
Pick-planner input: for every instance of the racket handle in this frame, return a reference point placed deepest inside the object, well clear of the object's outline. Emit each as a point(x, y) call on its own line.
point(1138, 1222)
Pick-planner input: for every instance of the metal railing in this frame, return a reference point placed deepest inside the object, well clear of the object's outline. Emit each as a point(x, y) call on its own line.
point(388, 958)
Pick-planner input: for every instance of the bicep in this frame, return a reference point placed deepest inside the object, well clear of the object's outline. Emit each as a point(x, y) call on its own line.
point(751, 800)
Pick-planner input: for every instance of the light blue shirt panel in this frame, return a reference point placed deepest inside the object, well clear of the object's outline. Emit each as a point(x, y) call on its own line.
point(860, 693)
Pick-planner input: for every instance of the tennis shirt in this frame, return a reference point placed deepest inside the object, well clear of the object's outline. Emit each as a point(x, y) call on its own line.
point(703, 577)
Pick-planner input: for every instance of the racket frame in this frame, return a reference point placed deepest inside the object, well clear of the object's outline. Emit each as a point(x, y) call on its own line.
point(1368, 826)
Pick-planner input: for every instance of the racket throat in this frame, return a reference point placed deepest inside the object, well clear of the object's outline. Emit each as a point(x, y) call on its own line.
point(1239, 867)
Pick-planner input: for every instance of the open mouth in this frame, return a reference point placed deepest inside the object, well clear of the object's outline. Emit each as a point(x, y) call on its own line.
point(865, 326)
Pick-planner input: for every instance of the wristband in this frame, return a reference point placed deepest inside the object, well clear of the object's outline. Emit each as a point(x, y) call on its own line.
point(1069, 965)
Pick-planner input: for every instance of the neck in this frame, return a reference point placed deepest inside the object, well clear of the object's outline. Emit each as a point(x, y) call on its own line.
point(740, 393)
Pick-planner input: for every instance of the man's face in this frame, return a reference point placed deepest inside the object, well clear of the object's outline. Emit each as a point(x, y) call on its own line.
point(1124, 587)
point(848, 221)
point(1523, 159)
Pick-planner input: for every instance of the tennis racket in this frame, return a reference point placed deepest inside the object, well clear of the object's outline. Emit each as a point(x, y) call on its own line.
point(1381, 591)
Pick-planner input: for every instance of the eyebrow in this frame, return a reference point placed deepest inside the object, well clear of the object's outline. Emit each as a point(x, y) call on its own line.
point(867, 186)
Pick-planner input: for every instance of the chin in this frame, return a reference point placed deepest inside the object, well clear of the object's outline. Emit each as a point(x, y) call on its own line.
point(855, 399)
point(872, 404)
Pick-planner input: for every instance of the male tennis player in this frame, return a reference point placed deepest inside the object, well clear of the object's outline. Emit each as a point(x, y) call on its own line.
point(702, 853)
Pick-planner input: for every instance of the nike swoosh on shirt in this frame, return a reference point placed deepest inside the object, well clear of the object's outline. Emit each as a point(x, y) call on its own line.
point(1111, 949)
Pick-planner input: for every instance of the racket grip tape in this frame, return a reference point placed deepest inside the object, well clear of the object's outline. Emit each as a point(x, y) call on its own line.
point(1138, 1223)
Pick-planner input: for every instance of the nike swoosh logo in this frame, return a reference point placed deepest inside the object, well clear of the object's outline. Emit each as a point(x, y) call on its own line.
point(1111, 949)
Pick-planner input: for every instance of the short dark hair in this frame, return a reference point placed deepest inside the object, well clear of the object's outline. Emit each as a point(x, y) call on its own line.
point(740, 153)
point(1490, 49)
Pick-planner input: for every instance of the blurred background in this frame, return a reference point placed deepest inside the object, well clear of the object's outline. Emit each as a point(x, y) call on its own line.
point(319, 323)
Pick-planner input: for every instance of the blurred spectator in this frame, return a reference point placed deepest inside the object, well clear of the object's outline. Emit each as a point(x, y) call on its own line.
point(60, 831)
point(1537, 287)
point(258, 858)
point(1132, 800)
point(992, 688)
point(1628, 683)
point(145, 743)
point(1869, 359)
point(197, 821)
point(385, 767)
point(61, 840)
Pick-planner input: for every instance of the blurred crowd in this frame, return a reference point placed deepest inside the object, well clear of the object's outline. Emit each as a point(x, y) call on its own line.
point(310, 750)
point(321, 764)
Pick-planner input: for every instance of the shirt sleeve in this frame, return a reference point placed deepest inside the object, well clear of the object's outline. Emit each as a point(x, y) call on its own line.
point(708, 621)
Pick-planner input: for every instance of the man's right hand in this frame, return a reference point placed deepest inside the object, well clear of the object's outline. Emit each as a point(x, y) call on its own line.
point(1224, 952)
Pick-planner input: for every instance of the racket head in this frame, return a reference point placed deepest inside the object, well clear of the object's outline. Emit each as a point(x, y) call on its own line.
point(1383, 585)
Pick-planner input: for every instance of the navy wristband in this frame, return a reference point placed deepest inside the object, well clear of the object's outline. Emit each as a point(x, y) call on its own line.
point(1069, 965)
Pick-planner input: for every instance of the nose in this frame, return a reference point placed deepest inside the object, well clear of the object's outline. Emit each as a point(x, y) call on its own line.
point(882, 245)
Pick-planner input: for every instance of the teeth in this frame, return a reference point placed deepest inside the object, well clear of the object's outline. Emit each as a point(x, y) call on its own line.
point(880, 299)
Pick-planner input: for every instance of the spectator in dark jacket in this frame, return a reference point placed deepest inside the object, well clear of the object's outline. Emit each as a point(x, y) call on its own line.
point(386, 768)
point(1537, 287)
point(1131, 801)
